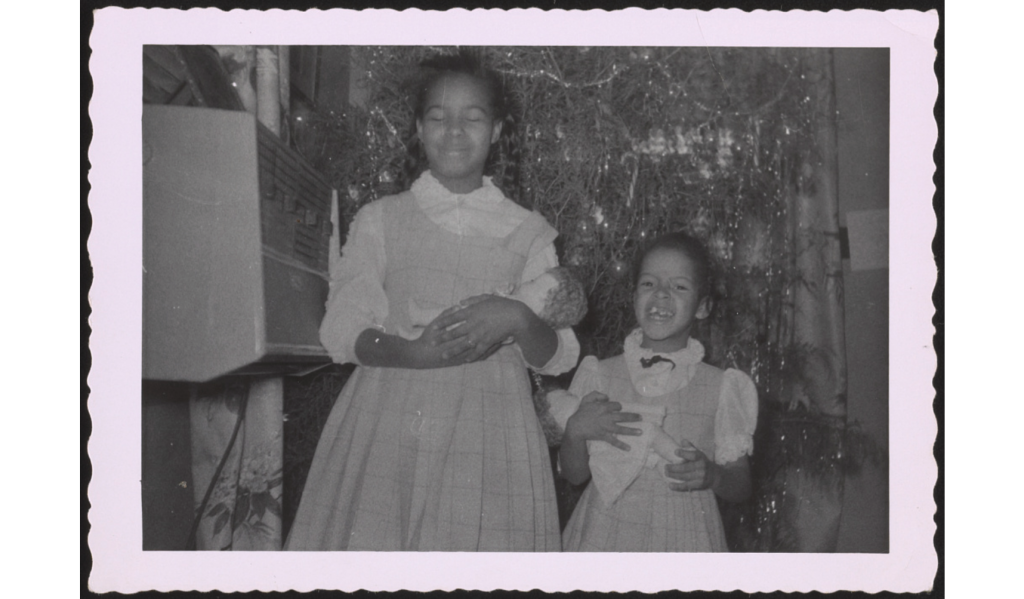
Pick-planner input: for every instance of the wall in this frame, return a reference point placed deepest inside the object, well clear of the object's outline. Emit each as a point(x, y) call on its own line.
point(167, 494)
point(862, 102)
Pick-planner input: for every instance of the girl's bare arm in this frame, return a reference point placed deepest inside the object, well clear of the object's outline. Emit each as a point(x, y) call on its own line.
point(376, 348)
point(729, 481)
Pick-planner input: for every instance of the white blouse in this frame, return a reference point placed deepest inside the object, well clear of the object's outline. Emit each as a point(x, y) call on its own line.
point(357, 301)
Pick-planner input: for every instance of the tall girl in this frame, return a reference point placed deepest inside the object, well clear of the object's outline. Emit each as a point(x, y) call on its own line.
point(661, 432)
point(434, 444)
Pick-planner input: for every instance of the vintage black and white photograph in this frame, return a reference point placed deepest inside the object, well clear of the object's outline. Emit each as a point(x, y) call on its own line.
point(519, 298)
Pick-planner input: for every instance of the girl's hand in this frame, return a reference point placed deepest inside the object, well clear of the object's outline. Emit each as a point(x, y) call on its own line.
point(597, 419)
point(477, 327)
point(695, 472)
point(437, 347)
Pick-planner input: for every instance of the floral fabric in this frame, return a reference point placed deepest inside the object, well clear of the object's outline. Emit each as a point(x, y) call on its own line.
point(243, 512)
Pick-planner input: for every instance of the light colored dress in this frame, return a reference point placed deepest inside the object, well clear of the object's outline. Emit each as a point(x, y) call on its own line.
point(447, 459)
point(715, 410)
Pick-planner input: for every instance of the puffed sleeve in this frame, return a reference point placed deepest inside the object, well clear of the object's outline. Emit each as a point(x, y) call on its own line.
point(568, 352)
point(736, 417)
point(356, 299)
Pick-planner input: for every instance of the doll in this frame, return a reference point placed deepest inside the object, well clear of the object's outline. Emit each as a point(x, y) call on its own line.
point(555, 296)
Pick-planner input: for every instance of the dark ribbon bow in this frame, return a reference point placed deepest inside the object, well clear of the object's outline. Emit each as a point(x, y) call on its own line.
point(648, 362)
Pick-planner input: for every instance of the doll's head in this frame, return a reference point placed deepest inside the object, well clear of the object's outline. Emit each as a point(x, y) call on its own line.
point(556, 296)
point(673, 291)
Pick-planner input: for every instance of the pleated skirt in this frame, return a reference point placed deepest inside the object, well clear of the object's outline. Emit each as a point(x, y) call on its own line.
point(448, 459)
point(647, 517)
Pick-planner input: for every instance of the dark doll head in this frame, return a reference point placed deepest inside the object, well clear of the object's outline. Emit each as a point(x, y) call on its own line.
point(673, 291)
point(463, 124)
point(557, 297)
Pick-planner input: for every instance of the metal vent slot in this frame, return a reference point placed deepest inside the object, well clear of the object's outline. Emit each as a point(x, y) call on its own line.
point(308, 245)
point(296, 202)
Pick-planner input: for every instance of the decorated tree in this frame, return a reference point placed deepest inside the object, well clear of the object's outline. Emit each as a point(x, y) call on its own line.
point(617, 145)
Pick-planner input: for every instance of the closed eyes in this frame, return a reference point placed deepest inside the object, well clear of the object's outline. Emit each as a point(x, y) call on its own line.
point(675, 287)
point(440, 119)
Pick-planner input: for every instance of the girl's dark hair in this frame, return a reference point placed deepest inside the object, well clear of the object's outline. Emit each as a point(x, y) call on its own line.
point(503, 159)
point(693, 249)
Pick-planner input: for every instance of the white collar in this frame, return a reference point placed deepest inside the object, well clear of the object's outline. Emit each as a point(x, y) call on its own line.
point(662, 377)
point(484, 212)
point(430, 191)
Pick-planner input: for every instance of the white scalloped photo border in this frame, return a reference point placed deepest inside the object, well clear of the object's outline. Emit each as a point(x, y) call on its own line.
point(119, 564)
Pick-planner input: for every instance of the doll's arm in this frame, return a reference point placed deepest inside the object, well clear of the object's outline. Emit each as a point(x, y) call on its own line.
point(664, 445)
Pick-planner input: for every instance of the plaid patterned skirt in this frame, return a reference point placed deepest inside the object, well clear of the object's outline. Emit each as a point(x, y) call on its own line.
point(449, 459)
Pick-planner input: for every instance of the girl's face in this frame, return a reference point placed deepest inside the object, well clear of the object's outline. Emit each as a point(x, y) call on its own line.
point(667, 300)
point(457, 130)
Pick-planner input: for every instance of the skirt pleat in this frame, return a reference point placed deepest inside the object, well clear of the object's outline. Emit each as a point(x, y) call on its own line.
point(447, 459)
point(647, 517)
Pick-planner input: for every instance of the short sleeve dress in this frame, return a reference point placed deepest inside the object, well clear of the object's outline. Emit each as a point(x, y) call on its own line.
point(714, 409)
point(447, 459)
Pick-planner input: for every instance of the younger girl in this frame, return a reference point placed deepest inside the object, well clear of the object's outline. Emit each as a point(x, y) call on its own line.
point(639, 501)
point(434, 444)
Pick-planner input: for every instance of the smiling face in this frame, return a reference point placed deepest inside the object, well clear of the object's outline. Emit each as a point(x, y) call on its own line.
point(457, 128)
point(668, 300)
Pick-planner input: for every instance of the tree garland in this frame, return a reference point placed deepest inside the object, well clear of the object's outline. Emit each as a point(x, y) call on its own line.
point(617, 145)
